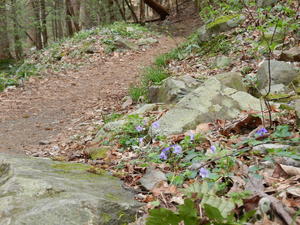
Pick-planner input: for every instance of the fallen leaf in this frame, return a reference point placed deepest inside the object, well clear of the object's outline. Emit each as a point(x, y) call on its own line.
point(164, 187)
point(291, 170)
point(279, 172)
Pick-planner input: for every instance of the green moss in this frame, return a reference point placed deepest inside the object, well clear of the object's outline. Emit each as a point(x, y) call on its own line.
point(72, 166)
point(111, 196)
point(105, 217)
point(220, 20)
point(282, 97)
point(98, 153)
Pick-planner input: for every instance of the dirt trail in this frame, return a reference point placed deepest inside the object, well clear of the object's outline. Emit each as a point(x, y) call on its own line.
point(42, 109)
point(40, 114)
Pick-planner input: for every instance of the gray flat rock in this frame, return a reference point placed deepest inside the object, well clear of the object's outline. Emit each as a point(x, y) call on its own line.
point(35, 191)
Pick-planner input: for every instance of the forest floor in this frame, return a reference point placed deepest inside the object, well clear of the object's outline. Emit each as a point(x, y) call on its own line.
point(43, 113)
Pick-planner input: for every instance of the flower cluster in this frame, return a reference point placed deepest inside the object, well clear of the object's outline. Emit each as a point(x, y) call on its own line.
point(261, 131)
point(177, 149)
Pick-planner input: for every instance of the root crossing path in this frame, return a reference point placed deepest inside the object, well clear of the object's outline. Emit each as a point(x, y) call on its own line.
point(37, 113)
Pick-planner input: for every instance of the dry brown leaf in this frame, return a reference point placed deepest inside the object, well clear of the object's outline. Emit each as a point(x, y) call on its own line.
point(164, 187)
point(291, 170)
point(279, 172)
point(243, 125)
point(203, 128)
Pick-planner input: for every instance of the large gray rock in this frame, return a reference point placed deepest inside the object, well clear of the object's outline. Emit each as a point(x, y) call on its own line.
point(152, 177)
point(233, 80)
point(281, 73)
point(221, 24)
point(208, 102)
point(39, 191)
point(172, 89)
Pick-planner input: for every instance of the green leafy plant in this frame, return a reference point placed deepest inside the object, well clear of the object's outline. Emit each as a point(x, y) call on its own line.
point(154, 75)
point(136, 92)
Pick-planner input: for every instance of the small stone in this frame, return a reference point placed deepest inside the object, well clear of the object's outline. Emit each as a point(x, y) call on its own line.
point(128, 102)
point(152, 177)
point(44, 142)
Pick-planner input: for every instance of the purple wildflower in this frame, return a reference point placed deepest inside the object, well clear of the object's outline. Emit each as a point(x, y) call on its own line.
point(213, 149)
point(155, 125)
point(163, 156)
point(203, 172)
point(139, 128)
point(141, 140)
point(166, 149)
point(261, 131)
point(177, 149)
point(192, 136)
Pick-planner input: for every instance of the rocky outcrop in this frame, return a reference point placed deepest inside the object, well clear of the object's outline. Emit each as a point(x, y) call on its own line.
point(211, 101)
point(282, 74)
point(221, 24)
point(172, 89)
point(233, 80)
point(35, 191)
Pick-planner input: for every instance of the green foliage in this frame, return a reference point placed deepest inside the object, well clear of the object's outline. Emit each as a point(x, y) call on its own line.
point(219, 210)
point(186, 213)
point(213, 9)
point(111, 117)
point(123, 29)
point(282, 131)
point(154, 75)
point(128, 136)
point(136, 92)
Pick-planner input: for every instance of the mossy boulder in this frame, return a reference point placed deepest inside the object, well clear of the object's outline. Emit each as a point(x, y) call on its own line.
point(209, 102)
point(40, 191)
point(221, 24)
point(233, 80)
point(173, 89)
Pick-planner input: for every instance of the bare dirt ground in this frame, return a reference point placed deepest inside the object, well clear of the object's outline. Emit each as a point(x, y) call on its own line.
point(38, 115)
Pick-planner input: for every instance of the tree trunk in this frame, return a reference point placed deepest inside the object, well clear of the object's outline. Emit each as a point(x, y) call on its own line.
point(17, 40)
point(44, 23)
point(110, 4)
point(36, 30)
point(69, 18)
point(122, 13)
point(142, 11)
point(4, 40)
point(163, 13)
point(128, 3)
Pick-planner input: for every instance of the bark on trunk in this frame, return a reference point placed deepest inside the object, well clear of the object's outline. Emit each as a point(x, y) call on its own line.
point(4, 40)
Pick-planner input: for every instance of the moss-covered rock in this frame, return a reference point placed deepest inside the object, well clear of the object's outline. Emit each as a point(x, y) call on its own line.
point(209, 102)
point(41, 191)
point(221, 24)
